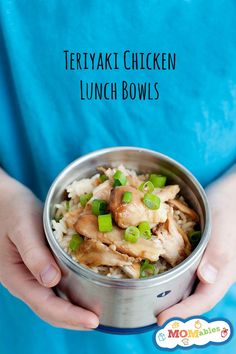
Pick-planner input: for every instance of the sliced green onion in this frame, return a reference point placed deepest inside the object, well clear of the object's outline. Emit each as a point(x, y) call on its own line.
point(146, 187)
point(151, 201)
point(103, 178)
point(147, 269)
point(75, 242)
point(99, 207)
point(67, 205)
point(158, 181)
point(84, 198)
point(132, 234)
point(105, 223)
point(119, 179)
point(127, 197)
point(58, 218)
point(194, 238)
point(145, 230)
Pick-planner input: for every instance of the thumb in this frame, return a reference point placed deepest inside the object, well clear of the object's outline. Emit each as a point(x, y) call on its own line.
point(29, 239)
point(209, 267)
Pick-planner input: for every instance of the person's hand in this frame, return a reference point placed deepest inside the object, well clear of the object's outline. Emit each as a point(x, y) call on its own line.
point(216, 271)
point(27, 268)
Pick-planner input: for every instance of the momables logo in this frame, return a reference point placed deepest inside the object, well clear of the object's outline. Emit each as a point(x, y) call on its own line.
point(194, 331)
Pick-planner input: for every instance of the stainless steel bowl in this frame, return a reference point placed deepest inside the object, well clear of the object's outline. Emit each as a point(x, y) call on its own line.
point(127, 305)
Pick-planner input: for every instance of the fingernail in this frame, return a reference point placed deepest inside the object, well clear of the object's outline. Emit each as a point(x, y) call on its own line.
point(209, 273)
point(160, 321)
point(49, 274)
point(93, 324)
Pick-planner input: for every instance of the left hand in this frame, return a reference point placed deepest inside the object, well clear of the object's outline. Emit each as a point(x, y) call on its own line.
point(216, 270)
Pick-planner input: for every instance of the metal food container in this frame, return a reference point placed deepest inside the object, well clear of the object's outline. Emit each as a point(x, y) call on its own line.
point(127, 305)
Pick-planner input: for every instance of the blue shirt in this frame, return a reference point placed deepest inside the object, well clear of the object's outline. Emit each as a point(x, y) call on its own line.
point(45, 125)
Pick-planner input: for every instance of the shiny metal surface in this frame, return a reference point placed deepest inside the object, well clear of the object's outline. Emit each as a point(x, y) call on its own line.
point(127, 303)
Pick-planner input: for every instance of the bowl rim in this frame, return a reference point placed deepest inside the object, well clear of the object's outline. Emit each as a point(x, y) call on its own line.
point(128, 282)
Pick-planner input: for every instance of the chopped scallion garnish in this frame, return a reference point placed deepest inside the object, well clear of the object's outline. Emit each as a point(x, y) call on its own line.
point(145, 230)
point(103, 178)
point(147, 269)
point(132, 234)
point(105, 223)
point(67, 205)
point(151, 201)
point(84, 198)
point(119, 179)
point(194, 238)
point(158, 181)
point(75, 242)
point(146, 187)
point(58, 218)
point(127, 197)
point(99, 207)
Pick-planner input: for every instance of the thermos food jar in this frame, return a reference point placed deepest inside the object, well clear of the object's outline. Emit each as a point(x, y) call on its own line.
point(127, 305)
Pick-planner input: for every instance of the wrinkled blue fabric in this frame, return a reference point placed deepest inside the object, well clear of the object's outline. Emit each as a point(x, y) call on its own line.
point(44, 125)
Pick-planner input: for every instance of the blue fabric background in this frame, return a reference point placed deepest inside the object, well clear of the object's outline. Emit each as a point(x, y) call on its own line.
point(44, 125)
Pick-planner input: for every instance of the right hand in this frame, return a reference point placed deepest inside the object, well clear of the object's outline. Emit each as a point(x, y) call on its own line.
point(27, 268)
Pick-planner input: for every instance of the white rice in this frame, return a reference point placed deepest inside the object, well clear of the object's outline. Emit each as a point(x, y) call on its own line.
point(85, 185)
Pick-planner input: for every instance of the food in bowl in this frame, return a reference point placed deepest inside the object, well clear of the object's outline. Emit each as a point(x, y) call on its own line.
point(123, 224)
